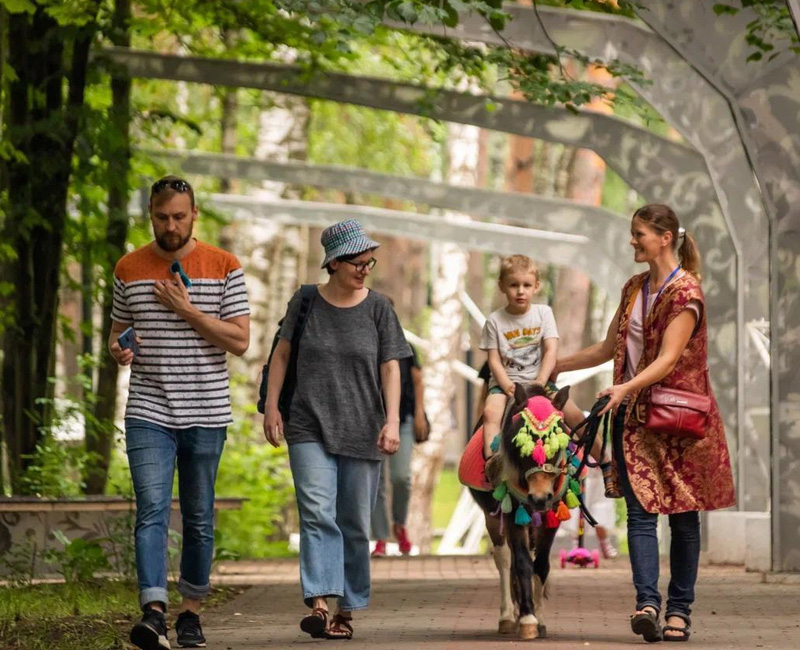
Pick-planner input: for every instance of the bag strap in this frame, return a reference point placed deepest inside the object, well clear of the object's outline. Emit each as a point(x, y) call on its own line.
point(307, 294)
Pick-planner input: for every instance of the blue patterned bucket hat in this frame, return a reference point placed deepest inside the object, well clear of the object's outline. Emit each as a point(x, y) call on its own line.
point(345, 238)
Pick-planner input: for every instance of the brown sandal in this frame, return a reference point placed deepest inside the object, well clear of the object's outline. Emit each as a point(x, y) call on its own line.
point(340, 628)
point(315, 623)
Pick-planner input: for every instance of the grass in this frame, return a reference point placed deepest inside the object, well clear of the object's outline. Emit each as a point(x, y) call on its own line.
point(445, 497)
point(95, 615)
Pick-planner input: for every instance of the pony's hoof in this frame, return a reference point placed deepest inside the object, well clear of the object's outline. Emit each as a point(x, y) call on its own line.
point(507, 627)
point(528, 631)
point(542, 629)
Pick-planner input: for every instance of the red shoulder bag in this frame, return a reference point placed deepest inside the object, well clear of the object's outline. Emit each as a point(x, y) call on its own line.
point(676, 412)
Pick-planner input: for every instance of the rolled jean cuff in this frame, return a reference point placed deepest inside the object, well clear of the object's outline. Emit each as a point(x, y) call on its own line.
point(642, 606)
point(308, 599)
point(353, 608)
point(153, 595)
point(188, 590)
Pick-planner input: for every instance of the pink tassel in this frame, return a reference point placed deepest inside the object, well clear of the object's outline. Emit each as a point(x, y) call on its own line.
point(539, 457)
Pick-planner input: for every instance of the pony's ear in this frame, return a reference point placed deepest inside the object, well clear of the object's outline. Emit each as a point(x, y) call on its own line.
point(561, 398)
point(520, 397)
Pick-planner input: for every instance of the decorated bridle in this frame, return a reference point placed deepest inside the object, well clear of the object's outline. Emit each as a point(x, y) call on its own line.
point(541, 437)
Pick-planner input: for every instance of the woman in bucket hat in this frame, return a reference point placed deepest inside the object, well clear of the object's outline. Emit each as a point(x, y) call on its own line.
point(338, 429)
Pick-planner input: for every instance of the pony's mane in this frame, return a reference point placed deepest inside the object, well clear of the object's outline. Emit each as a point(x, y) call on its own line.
point(513, 463)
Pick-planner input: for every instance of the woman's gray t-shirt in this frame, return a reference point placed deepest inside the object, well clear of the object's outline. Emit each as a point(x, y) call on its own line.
point(338, 399)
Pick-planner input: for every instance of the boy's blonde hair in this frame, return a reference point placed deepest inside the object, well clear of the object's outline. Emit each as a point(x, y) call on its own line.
point(517, 264)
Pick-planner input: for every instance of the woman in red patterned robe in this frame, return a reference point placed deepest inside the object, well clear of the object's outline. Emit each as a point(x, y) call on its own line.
point(658, 473)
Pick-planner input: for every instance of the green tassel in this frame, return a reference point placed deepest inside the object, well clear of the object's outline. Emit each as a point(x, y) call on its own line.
point(522, 518)
point(500, 491)
point(575, 486)
point(571, 500)
point(505, 504)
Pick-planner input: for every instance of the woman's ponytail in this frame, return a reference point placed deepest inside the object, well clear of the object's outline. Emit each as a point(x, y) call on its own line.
point(689, 255)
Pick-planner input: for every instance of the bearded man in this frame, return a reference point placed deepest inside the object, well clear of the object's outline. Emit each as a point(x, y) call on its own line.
point(187, 304)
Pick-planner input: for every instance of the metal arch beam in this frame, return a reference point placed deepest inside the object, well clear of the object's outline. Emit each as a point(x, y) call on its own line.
point(575, 251)
point(605, 228)
point(649, 163)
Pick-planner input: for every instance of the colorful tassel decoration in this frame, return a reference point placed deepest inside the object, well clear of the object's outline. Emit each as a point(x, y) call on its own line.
point(563, 512)
point(500, 491)
point(575, 486)
point(505, 504)
point(550, 519)
point(522, 518)
point(571, 500)
point(538, 453)
point(537, 519)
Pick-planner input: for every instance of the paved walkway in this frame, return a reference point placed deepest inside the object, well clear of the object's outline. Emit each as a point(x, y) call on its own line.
point(450, 603)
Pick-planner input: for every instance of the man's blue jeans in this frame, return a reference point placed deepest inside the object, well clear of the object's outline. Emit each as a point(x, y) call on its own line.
point(684, 552)
point(152, 454)
point(335, 497)
point(398, 466)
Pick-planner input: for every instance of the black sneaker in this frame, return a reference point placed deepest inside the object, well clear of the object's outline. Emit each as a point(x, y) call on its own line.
point(190, 634)
point(151, 632)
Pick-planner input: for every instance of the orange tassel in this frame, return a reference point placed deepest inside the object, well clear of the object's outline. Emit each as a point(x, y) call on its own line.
point(563, 512)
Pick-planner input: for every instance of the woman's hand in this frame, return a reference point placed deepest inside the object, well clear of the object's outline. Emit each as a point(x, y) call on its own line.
point(389, 438)
point(617, 394)
point(421, 427)
point(273, 426)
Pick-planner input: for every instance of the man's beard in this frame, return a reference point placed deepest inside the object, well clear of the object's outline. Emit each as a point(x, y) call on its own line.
point(173, 242)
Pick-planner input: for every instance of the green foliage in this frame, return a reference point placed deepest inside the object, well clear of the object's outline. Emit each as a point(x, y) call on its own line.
point(252, 469)
point(19, 562)
point(55, 470)
point(80, 558)
point(771, 32)
point(78, 616)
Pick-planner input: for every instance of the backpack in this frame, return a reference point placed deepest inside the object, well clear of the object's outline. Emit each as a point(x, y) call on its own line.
point(307, 294)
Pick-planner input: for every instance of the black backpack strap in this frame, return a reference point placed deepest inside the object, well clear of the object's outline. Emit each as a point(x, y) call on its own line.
point(307, 294)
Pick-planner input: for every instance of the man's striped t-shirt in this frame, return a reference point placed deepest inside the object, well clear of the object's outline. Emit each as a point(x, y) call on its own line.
point(178, 379)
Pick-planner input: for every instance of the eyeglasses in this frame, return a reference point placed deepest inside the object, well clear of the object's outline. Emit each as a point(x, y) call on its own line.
point(363, 266)
point(174, 184)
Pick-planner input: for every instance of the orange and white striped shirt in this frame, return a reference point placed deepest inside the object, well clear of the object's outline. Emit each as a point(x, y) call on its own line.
point(178, 379)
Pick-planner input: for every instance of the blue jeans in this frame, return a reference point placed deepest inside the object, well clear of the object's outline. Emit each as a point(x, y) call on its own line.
point(152, 453)
point(335, 497)
point(684, 552)
point(398, 467)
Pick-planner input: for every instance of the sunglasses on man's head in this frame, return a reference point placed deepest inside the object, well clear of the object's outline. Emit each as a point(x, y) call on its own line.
point(174, 184)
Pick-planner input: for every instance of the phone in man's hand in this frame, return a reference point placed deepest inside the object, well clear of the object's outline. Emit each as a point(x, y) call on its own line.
point(127, 341)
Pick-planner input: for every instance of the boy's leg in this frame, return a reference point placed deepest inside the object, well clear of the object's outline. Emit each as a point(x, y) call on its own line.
point(151, 453)
point(492, 414)
point(199, 451)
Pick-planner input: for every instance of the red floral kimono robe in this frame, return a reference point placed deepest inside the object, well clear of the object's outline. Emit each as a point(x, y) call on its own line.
point(670, 474)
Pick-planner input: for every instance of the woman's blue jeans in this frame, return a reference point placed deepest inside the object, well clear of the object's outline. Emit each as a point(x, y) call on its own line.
point(153, 451)
point(398, 467)
point(684, 552)
point(335, 498)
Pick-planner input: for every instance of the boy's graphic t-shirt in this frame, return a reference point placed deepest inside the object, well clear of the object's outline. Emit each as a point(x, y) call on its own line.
point(518, 338)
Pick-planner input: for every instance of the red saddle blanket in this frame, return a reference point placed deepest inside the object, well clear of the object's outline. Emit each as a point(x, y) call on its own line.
point(472, 465)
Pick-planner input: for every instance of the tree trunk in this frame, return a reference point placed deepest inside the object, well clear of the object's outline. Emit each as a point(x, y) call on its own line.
point(100, 431)
point(44, 130)
point(230, 107)
point(447, 278)
point(571, 307)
